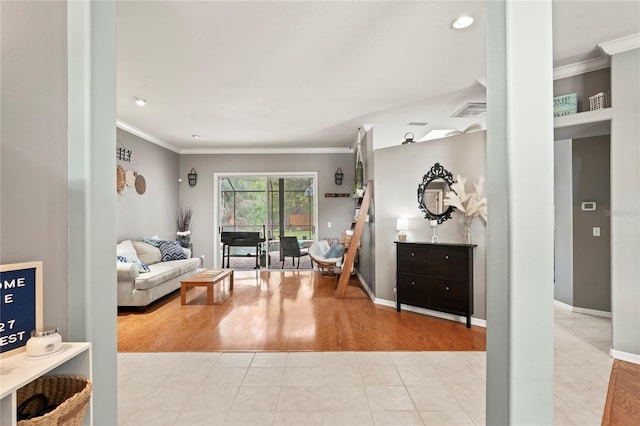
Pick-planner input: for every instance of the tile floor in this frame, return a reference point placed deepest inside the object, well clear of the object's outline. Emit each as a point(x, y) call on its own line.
point(351, 388)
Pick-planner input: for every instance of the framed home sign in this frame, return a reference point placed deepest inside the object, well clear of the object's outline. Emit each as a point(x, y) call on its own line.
point(20, 305)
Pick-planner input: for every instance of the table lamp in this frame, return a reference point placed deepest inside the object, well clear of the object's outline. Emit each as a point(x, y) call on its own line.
point(402, 224)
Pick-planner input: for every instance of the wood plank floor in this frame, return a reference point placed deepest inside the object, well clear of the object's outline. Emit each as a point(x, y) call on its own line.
point(623, 398)
point(286, 311)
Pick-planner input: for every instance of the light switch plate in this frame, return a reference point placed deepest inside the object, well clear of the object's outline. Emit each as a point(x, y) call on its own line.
point(596, 231)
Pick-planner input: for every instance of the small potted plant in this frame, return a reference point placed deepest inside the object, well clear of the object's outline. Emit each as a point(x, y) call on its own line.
point(183, 223)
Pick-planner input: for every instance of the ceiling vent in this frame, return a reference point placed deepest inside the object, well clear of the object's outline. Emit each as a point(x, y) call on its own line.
point(472, 110)
point(418, 123)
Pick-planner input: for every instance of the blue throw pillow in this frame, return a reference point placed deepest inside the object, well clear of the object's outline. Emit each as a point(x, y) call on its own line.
point(334, 251)
point(171, 250)
point(141, 265)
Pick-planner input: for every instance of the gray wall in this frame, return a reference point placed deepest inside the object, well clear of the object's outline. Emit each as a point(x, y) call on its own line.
point(585, 85)
point(154, 211)
point(592, 255)
point(33, 147)
point(563, 235)
point(338, 211)
point(625, 201)
point(367, 252)
point(399, 171)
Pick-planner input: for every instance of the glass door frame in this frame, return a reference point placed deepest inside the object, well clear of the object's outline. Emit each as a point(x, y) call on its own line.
point(217, 187)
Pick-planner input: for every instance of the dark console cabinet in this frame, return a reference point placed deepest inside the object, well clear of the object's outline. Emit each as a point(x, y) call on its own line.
point(436, 276)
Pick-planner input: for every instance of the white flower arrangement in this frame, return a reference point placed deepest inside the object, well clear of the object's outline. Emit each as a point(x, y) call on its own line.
point(472, 204)
point(183, 233)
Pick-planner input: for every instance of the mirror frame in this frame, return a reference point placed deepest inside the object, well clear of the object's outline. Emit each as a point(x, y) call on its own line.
point(436, 172)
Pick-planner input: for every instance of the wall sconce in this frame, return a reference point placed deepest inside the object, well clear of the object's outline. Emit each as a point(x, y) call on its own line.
point(402, 224)
point(193, 177)
point(339, 176)
point(408, 138)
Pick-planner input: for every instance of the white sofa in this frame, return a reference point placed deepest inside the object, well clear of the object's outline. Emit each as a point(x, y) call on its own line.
point(138, 288)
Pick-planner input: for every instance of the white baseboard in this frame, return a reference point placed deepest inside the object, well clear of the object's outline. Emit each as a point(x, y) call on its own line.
point(457, 318)
point(625, 356)
point(367, 289)
point(578, 310)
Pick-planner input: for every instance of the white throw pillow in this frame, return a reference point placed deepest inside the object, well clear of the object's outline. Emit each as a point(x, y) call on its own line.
point(126, 249)
point(147, 253)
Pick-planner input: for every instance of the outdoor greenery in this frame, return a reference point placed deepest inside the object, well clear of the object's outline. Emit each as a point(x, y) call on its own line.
point(244, 205)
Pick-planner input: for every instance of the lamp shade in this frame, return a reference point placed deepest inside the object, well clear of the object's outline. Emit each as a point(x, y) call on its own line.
point(402, 224)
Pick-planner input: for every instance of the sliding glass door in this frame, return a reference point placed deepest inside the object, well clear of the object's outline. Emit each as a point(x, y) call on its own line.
point(272, 206)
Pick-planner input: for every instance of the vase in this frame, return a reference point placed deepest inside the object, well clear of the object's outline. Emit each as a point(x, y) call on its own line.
point(466, 236)
point(184, 241)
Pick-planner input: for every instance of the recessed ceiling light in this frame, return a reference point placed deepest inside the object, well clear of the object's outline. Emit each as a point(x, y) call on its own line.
point(462, 22)
point(140, 101)
point(195, 136)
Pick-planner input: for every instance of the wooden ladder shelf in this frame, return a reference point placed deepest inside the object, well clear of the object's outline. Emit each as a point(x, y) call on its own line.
point(347, 265)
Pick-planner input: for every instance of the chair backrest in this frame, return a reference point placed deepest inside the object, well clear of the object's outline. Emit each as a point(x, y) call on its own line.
point(289, 246)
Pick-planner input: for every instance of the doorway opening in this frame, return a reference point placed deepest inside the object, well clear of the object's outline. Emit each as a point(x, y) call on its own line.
point(254, 211)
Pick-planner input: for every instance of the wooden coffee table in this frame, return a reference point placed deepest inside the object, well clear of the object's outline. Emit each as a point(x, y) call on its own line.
point(207, 278)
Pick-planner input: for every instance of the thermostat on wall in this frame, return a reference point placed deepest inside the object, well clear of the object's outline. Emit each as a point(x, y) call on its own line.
point(588, 206)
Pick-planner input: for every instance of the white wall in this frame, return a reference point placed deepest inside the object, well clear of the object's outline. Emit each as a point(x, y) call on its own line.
point(625, 202)
point(141, 216)
point(563, 235)
point(399, 171)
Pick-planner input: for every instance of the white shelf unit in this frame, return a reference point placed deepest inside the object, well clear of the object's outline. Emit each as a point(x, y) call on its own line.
point(583, 124)
point(19, 370)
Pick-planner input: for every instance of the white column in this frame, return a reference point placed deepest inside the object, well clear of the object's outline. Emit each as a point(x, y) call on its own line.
point(520, 228)
point(92, 195)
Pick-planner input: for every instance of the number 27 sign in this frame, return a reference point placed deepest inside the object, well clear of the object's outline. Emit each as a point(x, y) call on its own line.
point(20, 305)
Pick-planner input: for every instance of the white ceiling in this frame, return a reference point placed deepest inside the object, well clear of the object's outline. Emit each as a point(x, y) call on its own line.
point(302, 74)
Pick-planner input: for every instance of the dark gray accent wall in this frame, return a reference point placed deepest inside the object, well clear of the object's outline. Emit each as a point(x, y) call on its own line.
point(367, 251)
point(154, 211)
point(591, 255)
point(338, 211)
point(585, 85)
point(33, 147)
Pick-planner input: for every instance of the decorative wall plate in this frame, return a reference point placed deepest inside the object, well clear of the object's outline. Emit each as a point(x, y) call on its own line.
point(121, 178)
point(131, 178)
point(141, 184)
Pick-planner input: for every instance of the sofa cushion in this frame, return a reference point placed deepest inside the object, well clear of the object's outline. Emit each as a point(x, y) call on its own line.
point(126, 249)
point(160, 272)
point(140, 265)
point(334, 251)
point(171, 250)
point(147, 252)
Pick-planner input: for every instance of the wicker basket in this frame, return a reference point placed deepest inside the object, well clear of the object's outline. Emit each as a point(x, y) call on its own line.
point(599, 101)
point(71, 393)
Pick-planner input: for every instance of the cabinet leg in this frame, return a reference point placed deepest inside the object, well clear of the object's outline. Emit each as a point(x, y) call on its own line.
point(468, 322)
point(398, 306)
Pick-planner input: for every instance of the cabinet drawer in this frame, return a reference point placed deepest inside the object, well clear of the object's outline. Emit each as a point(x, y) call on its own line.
point(413, 260)
point(413, 290)
point(446, 263)
point(449, 296)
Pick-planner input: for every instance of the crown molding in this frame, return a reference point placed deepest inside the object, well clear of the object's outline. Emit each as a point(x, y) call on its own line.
point(146, 136)
point(569, 70)
point(336, 150)
point(620, 45)
point(580, 68)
